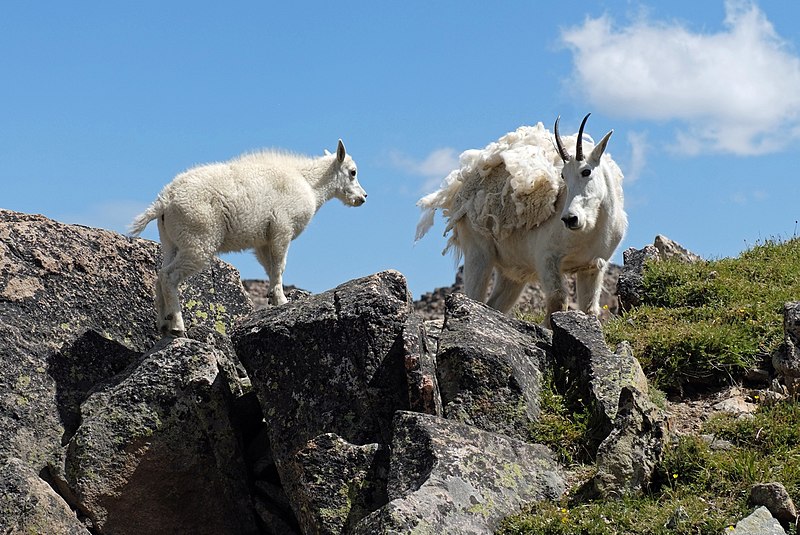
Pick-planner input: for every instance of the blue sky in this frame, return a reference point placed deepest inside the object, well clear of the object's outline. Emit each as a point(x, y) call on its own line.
point(102, 103)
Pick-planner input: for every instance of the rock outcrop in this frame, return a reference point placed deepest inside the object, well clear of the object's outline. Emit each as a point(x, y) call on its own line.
point(342, 412)
point(76, 313)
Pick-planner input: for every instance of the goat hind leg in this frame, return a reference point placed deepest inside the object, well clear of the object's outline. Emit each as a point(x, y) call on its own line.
point(170, 277)
point(505, 293)
point(478, 268)
point(273, 258)
point(168, 251)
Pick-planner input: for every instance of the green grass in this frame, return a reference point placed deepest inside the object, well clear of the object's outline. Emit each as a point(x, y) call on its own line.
point(701, 491)
point(705, 324)
point(699, 325)
point(564, 430)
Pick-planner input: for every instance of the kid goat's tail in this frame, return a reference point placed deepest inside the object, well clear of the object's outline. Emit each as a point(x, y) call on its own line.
point(153, 212)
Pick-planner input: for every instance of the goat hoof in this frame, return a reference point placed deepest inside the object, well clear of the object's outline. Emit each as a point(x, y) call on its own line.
point(176, 333)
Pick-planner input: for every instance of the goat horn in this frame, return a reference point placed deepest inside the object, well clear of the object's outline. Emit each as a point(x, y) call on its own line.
point(561, 151)
point(579, 146)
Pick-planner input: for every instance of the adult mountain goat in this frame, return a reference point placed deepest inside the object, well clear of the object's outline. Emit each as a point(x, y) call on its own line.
point(262, 201)
point(530, 210)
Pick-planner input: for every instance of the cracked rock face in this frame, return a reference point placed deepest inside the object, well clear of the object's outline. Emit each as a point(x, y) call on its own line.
point(490, 367)
point(340, 362)
point(76, 310)
point(446, 475)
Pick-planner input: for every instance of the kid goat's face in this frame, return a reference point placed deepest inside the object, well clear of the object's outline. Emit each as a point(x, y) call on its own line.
point(354, 194)
point(350, 191)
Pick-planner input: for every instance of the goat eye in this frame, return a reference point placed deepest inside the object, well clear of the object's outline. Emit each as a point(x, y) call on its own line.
point(586, 172)
point(353, 173)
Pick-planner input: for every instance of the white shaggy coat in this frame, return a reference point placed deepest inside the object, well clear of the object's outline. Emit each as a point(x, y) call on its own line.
point(262, 201)
point(577, 234)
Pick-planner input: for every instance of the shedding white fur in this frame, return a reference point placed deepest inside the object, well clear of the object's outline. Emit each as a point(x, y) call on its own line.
point(526, 209)
point(262, 200)
point(511, 184)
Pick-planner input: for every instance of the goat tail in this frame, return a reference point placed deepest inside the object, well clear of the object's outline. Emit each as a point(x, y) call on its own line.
point(153, 211)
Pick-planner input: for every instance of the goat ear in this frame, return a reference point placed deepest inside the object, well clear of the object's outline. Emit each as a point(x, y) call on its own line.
point(326, 152)
point(340, 152)
point(599, 149)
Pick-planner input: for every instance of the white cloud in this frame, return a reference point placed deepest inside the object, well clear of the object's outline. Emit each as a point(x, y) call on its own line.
point(638, 160)
point(435, 166)
point(735, 91)
point(747, 197)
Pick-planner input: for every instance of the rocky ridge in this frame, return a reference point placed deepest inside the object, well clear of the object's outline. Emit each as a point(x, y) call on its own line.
point(341, 412)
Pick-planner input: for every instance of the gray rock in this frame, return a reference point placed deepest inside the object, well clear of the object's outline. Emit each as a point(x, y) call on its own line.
point(627, 459)
point(668, 249)
point(489, 368)
point(337, 483)
point(786, 360)
point(448, 477)
point(340, 362)
point(29, 505)
point(156, 452)
point(630, 282)
point(420, 363)
point(590, 371)
point(75, 304)
point(774, 497)
point(760, 522)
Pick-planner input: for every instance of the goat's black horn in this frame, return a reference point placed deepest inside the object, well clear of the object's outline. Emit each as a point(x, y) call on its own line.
point(561, 151)
point(579, 146)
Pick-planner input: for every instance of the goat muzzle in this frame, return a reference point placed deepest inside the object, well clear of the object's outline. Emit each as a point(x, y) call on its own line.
point(571, 222)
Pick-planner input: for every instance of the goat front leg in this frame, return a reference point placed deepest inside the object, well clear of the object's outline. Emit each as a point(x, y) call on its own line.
point(589, 283)
point(552, 281)
point(273, 258)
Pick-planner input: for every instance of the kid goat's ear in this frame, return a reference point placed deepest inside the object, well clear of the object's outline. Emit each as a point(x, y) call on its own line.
point(599, 149)
point(340, 152)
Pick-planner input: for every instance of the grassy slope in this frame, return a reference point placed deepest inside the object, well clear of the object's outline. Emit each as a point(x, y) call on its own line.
point(699, 325)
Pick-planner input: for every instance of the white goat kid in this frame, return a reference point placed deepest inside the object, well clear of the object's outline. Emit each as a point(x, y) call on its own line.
point(262, 201)
point(578, 233)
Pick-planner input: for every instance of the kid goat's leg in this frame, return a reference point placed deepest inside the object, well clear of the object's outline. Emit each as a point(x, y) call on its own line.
point(273, 258)
point(170, 277)
point(168, 251)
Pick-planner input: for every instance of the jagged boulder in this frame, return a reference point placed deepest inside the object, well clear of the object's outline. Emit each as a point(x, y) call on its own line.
point(587, 369)
point(629, 431)
point(630, 282)
point(775, 497)
point(490, 367)
point(759, 522)
point(448, 477)
point(29, 505)
point(786, 359)
point(157, 453)
point(339, 483)
point(629, 456)
point(58, 282)
point(339, 362)
point(76, 310)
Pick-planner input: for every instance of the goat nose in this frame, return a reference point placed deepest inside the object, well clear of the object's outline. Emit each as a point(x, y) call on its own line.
point(571, 221)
